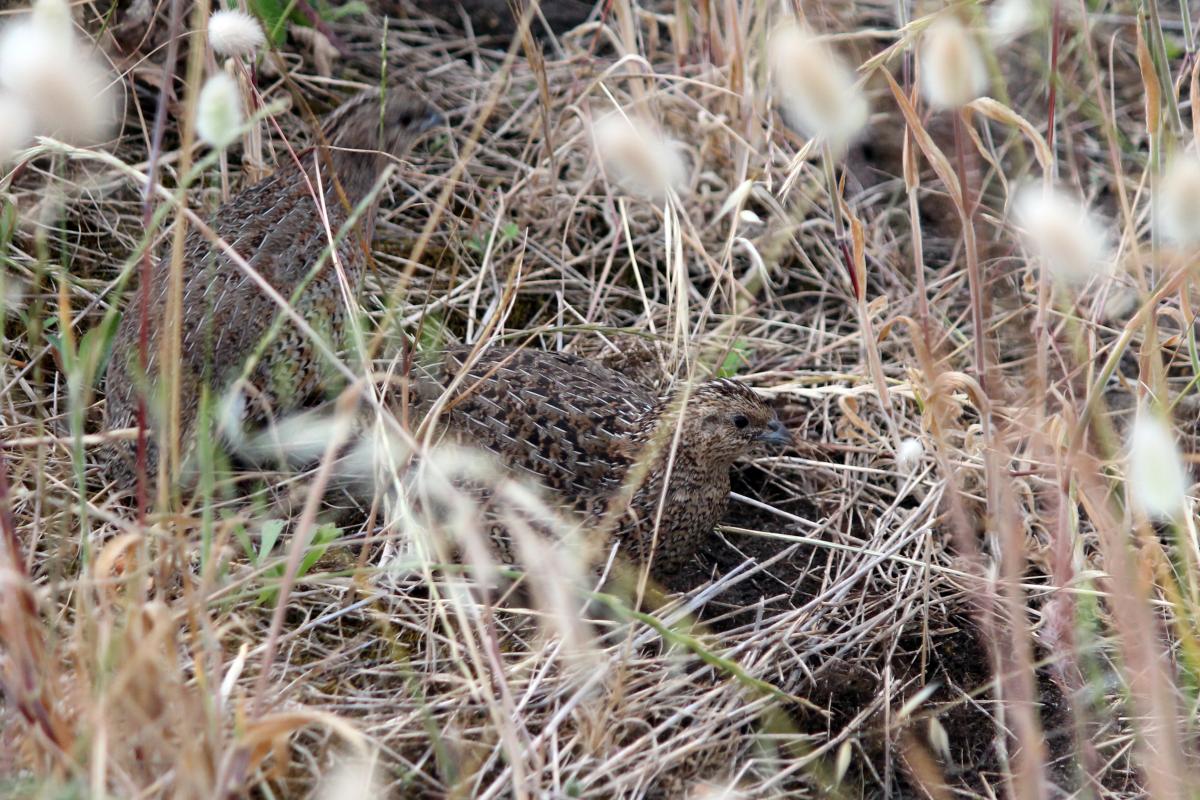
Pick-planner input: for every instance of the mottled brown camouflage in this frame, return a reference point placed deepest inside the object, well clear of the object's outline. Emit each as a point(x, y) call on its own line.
point(580, 430)
point(276, 226)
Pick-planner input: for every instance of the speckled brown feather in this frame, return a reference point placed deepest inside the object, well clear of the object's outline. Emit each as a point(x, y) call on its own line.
point(275, 225)
point(578, 429)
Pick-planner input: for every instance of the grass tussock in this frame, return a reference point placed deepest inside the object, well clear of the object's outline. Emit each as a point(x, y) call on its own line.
point(967, 290)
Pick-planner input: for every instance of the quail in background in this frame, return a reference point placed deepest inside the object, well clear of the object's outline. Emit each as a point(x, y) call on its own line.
point(577, 429)
point(276, 226)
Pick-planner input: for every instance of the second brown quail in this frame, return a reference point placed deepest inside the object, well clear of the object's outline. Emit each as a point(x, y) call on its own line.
point(276, 225)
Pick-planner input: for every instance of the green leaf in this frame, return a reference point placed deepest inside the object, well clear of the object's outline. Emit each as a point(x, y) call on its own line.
point(274, 15)
point(95, 348)
point(322, 538)
point(267, 539)
point(432, 338)
point(334, 13)
point(737, 358)
point(239, 533)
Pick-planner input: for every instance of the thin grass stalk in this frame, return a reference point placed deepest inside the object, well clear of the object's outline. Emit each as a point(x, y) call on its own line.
point(1189, 37)
point(1016, 661)
point(1162, 68)
point(1056, 35)
point(971, 253)
point(146, 280)
point(839, 226)
point(172, 343)
point(1140, 642)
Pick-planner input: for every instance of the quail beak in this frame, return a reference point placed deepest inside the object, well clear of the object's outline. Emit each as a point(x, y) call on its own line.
point(775, 435)
point(433, 119)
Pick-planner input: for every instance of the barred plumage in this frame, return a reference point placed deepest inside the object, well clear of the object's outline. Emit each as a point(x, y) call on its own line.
point(276, 226)
point(578, 429)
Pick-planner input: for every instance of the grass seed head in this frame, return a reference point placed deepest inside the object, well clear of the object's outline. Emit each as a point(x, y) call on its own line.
point(1064, 234)
point(909, 454)
point(234, 33)
point(377, 458)
point(230, 415)
point(17, 129)
point(1178, 210)
point(639, 156)
point(352, 778)
point(817, 92)
point(54, 17)
point(953, 72)
point(67, 93)
point(1158, 480)
point(299, 439)
point(219, 111)
point(1009, 20)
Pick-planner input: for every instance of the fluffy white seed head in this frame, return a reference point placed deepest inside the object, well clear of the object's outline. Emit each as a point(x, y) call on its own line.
point(298, 440)
point(1008, 20)
point(54, 17)
point(375, 461)
point(235, 33)
point(219, 110)
point(1063, 233)
point(816, 88)
point(953, 72)
point(230, 416)
point(352, 778)
point(12, 294)
point(639, 156)
point(17, 128)
point(1178, 211)
point(909, 454)
point(1158, 480)
point(68, 93)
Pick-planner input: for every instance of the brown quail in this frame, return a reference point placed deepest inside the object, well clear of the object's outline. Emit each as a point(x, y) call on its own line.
point(276, 226)
point(578, 428)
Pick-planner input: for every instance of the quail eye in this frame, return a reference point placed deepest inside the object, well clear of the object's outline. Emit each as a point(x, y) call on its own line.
point(740, 421)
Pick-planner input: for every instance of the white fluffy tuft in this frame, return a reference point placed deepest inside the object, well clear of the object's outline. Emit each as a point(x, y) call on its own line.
point(1070, 241)
point(67, 93)
point(235, 33)
point(817, 92)
point(639, 156)
point(1158, 480)
point(219, 111)
point(953, 72)
point(1177, 214)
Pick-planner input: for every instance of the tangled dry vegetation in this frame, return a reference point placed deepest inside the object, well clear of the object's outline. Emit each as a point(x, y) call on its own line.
point(947, 588)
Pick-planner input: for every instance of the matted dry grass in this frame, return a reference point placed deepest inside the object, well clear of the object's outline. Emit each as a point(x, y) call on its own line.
point(842, 633)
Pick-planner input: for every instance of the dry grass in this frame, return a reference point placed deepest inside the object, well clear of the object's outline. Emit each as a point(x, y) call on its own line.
point(998, 618)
